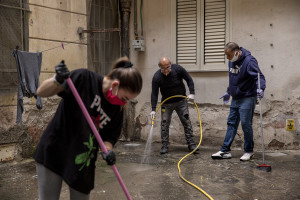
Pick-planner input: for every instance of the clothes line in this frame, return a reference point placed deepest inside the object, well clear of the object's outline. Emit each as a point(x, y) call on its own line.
point(28, 69)
point(63, 45)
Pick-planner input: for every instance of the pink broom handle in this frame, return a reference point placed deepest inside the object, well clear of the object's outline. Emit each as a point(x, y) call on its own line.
point(101, 143)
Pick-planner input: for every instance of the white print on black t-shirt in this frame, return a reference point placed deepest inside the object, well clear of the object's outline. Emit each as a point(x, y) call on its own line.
point(104, 119)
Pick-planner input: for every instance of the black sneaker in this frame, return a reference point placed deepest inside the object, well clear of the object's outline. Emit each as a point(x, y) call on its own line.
point(163, 150)
point(192, 147)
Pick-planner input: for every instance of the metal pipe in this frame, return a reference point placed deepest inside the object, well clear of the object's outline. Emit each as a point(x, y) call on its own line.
point(135, 19)
point(125, 15)
point(260, 120)
point(101, 30)
point(141, 14)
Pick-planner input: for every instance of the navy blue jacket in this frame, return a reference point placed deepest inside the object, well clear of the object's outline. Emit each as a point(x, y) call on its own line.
point(243, 76)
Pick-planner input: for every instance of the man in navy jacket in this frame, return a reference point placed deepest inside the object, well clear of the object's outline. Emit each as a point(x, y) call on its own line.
point(244, 90)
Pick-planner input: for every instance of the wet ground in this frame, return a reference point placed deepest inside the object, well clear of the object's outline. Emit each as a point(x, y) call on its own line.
point(158, 179)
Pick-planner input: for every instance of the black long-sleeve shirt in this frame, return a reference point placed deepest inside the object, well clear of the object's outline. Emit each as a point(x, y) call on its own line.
point(170, 85)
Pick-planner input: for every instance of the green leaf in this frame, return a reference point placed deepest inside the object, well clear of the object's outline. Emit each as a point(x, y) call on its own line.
point(86, 144)
point(91, 140)
point(81, 158)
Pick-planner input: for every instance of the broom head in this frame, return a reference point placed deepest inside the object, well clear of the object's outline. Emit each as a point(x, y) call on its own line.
point(264, 167)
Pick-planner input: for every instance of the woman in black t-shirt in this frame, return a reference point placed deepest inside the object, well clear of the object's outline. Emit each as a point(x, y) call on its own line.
point(68, 148)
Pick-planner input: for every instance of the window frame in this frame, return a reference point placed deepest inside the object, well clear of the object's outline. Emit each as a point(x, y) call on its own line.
point(200, 66)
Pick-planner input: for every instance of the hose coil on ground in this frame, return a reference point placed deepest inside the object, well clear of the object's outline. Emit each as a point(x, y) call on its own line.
point(178, 165)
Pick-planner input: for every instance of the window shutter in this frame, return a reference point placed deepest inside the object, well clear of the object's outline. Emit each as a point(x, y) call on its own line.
point(186, 38)
point(214, 31)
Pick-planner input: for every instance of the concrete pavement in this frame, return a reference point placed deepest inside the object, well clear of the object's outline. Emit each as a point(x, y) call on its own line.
point(158, 179)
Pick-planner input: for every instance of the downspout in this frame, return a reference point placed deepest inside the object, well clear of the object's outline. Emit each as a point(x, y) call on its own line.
point(135, 20)
point(128, 128)
point(125, 15)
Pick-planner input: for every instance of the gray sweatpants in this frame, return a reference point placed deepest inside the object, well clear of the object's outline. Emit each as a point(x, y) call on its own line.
point(50, 183)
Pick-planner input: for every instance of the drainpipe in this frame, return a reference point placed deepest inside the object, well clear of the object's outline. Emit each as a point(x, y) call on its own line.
point(128, 127)
point(135, 20)
point(125, 15)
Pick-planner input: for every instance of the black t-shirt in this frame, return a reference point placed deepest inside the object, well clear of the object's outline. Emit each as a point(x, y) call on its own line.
point(68, 146)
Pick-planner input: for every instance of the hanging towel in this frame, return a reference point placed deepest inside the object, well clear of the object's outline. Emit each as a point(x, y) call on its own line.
point(28, 67)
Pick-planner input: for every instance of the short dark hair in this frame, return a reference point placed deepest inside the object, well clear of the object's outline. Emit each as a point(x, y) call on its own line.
point(232, 46)
point(129, 77)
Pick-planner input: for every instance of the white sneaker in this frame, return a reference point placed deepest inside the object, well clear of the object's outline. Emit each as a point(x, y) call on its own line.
point(221, 155)
point(246, 157)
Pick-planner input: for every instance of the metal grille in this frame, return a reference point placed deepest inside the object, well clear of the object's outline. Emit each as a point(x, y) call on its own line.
point(12, 34)
point(186, 37)
point(214, 31)
point(105, 46)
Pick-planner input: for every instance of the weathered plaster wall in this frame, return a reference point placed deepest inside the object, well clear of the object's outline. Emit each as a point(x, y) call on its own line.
point(51, 24)
point(254, 24)
point(270, 30)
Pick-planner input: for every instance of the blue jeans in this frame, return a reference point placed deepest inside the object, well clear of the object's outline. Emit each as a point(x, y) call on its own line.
point(240, 110)
point(181, 108)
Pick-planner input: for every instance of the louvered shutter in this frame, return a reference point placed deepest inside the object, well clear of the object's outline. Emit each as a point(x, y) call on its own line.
point(214, 31)
point(186, 38)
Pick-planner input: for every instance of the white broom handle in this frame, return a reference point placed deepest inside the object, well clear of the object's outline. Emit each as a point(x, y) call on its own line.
point(260, 120)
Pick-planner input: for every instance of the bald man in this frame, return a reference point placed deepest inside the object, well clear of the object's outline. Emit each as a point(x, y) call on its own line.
point(169, 80)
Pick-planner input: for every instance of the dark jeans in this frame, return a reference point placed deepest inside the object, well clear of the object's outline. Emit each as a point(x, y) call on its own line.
point(240, 110)
point(182, 111)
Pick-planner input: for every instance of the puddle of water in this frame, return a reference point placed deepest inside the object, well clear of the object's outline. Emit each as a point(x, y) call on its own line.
point(132, 145)
point(276, 154)
point(147, 151)
point(143, 167)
